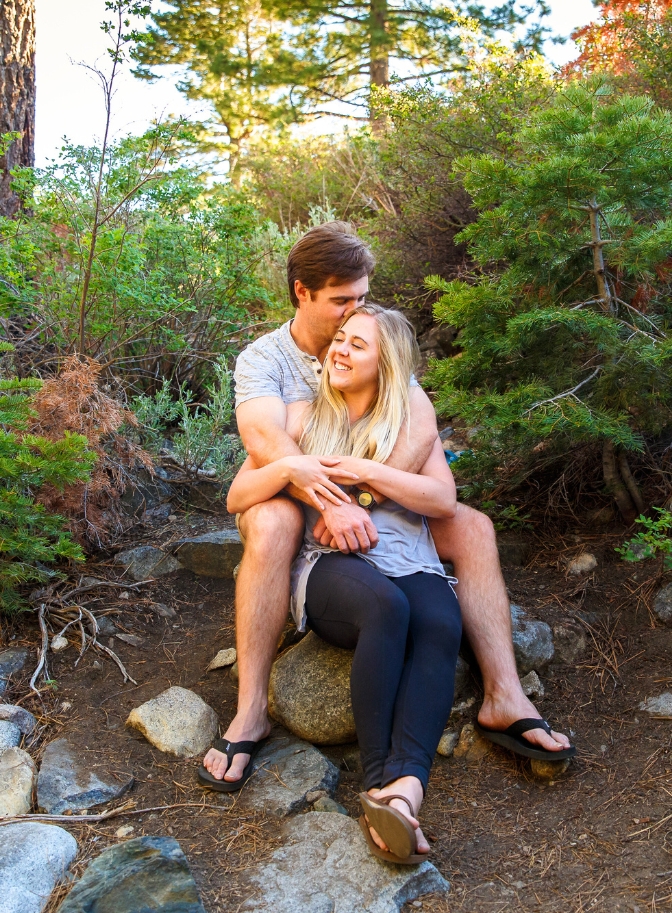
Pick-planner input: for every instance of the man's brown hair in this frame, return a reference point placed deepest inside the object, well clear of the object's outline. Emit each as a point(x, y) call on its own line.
point(329, 251)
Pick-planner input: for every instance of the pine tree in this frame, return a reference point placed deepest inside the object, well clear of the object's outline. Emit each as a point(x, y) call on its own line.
point(30, 536)
point(565, 329)
point(276, 62)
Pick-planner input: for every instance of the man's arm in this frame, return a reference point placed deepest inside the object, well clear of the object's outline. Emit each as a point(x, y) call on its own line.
point(262, 426)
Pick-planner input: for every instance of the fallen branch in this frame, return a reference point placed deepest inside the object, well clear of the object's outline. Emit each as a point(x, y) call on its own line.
point(96, 819)
point(42, 659)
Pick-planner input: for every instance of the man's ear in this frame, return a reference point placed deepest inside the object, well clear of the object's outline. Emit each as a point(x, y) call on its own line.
point(301, 292)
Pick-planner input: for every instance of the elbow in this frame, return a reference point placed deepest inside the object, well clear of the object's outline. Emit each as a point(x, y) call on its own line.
point(233, 504)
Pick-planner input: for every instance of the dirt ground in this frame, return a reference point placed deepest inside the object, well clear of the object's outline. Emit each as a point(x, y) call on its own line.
point(599, 838)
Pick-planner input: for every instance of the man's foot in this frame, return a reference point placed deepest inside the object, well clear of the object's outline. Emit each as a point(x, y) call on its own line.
point(502, 711)
point(240, 730)
point(412, 789)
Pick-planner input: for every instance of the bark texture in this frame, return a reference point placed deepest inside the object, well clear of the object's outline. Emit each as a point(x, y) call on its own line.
point(17, 93)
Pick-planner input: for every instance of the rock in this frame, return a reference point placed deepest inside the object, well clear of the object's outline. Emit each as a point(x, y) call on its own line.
point(143, 875)
point(11, 661)
point(531, 685)
point(314, 795)
point(446, 433)
point(33, 859)
point(146, 492)
point(471, 747)
point(532, 641)
point(658, 707)
point(165, 611)
point(462, 675)
point(145, 562)
point(309, 692)
point(234, 672)
point(10, 735)
point(286, 771)
point(662, 604)
point(548, 770)
point(570, 643)
point(67, 782)
point(124, 831)
point(131, 639)
point(23, 719)
point(325, 866)
point(224, 658)
point(447, 743)
point(513, 551)
point(106, 626)
point(212, 555)
point(59, 643)
point(325, 804)
point(17, 778)
point(177, 721)
point(582, 564)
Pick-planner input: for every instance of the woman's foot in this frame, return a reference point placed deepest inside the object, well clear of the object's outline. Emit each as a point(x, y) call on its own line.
point(411, 788)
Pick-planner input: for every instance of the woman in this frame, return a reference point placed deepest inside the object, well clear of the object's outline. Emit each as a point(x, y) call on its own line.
point(394, 606)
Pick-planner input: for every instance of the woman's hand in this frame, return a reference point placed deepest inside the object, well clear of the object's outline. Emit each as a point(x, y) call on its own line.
point(317, 476)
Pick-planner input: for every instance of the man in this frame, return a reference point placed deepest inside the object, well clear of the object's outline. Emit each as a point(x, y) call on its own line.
point(328, 274)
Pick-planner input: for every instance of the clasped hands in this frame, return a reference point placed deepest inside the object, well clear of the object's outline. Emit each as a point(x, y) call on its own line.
point(343, 523)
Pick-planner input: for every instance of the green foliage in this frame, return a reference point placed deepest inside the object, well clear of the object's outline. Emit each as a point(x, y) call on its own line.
point(654, 539)
point(556, 353)
point(30, 537)
point(201, 441)
point(173, 279)
point(508, 517)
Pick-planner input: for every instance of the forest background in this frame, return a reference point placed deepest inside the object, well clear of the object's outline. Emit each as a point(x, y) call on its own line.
point(519, 213)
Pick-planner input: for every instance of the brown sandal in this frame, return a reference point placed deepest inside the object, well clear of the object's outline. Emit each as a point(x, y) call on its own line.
point(392, 827)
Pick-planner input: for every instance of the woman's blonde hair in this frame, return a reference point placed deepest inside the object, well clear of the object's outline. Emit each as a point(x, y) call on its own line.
point(373, 436)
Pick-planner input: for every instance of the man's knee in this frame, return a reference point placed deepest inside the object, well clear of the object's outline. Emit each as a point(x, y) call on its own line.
point(277, 523)
point(468, 533)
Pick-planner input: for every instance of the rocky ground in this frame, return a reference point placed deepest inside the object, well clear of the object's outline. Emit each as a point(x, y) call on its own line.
point(114, 763)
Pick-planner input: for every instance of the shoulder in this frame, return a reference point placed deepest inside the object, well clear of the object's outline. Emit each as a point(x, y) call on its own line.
point(267, 345)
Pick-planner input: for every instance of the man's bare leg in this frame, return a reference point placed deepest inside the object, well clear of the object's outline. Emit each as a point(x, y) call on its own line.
point(469, 541)
point(273, 532)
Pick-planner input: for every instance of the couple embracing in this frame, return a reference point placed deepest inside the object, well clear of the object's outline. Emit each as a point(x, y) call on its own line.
point(347, 508)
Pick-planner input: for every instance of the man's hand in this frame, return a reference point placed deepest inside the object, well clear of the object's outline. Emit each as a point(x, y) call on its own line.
point(347, 527)
point(314, 474)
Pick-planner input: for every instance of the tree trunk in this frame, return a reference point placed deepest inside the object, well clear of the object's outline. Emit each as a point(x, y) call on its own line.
point(17, 93)
point(604, 292)
point(630, 483)
point(615, 485)
point(379, 50)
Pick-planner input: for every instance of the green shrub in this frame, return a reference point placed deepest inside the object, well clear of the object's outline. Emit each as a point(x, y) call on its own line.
point(173, 280)
point(564, 328)
point(31, 537)
point(654, 539)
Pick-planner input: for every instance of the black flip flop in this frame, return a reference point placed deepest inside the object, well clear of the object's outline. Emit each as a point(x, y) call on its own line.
point(512, 738)
point(231, 749)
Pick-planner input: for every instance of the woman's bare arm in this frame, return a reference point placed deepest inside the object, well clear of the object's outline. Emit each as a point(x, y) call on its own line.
point(430, 492)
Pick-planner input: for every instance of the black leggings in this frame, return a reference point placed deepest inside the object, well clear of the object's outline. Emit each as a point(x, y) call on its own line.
point(405, 632)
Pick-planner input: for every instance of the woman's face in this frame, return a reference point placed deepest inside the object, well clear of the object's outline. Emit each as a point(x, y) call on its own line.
point(352, 360)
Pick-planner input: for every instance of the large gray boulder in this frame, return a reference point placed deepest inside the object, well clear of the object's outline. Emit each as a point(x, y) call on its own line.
point(146, 562)
point(17, 779)
point(213, 554)
point(324, 866)
point(10, 735)
point(20, 717)
point(66, 781)
point(532, 641)
point(286, 771)
point(662, 604)
point(144, 875)
point(12, 662)
point(309, 692)
point(177, 721)
point(33, 859)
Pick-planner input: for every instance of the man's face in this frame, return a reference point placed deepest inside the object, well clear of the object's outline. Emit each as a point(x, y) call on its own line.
point(328, 307)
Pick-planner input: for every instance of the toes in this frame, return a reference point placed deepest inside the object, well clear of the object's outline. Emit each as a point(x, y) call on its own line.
point(422, 845)
point(238, 765)
point(215, 763)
